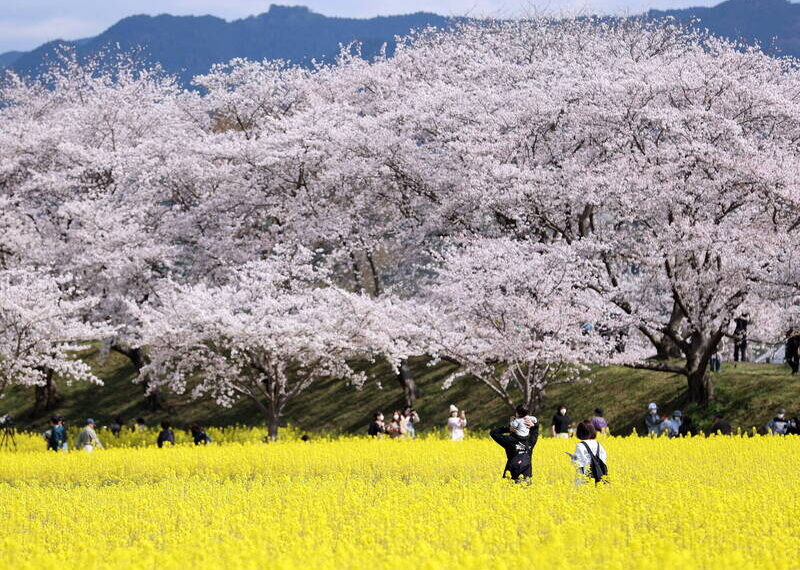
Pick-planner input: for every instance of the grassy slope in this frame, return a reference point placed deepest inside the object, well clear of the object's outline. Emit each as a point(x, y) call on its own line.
point(748, 394)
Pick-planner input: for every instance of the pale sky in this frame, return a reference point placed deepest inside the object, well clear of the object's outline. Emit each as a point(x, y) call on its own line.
point(25, 24)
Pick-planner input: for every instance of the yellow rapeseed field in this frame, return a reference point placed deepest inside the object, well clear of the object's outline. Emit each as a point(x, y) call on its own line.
point(716, 503)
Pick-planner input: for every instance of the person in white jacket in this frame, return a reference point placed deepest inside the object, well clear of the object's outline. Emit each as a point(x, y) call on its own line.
point(456, 423)
point(586, 447)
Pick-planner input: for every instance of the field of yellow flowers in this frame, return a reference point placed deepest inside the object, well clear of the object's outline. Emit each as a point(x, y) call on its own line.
point(355, 503)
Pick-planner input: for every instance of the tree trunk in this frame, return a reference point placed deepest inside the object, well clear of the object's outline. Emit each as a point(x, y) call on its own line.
point(666, 349)
point(535, 399)
point(701, 388)
point(698, 355)
point(152, 399)
point(406, 379)
point(272, 417)
point(47, 396)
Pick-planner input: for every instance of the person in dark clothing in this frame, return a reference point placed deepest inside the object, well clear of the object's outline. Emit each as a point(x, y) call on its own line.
point(793, 350)
point(687, 428)
point(116, 426)
point(57, 439)
point(740, 338)
point(721, 425)
point(165, 435)
point(199, 435)
point(376, 426)
point(519, 450)
point(779, 425)
point(561, 422)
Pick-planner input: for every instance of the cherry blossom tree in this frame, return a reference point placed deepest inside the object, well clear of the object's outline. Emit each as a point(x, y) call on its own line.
point(41, 330)
point(267, 335)
point(663, 157)
point(515, 316)
point(85, 157)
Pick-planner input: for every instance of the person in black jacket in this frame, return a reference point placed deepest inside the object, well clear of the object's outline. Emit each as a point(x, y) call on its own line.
point(519, 450)
point(166, 435)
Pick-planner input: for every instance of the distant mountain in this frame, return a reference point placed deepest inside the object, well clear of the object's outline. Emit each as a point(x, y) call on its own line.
point(189, 45)
point(775, 24)
point(9, 58)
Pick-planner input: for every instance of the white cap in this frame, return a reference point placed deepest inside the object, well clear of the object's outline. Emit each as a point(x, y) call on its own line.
point(652, 406)
point(453, 408)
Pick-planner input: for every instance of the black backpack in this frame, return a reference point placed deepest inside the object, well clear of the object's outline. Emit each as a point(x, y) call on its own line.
point(598, 468)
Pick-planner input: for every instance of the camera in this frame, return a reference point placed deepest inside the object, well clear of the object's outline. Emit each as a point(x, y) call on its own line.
point(6, 421)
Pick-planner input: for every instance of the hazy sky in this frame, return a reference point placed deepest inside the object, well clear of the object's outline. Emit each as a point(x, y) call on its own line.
point(25, 24)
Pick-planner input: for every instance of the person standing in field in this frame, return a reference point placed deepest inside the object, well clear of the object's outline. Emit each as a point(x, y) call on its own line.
point(652, 421)
point(740, 338)
point(721, 425)
point(87, 438)
point(395, 428)
point(376, 427)
point(561, 423)
point(599, 422)
point(518, 440)
point(672, 425)
point(166, 435)
point(116, 426)
point(409, 420)
point(778, 425)
point(140, 425)
point(57, 435)
point(199, 435)
point(456, 423)
point(792, 354)
point(589, 454)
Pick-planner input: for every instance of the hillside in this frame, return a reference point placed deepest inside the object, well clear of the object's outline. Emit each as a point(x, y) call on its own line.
point(749, 394)
point(189, 45)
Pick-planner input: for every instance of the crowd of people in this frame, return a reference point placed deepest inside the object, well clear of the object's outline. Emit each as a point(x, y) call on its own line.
point(87, 439)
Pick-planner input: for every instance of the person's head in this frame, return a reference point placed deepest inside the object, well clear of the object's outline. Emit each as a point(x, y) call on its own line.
point(585, 430)
point(55, 420)
point(677, 414)
point(598, 412)
point(562, 409)
point(378, 416)
point(305, 437)
point(140, 421)
point(521, 411)
point(194, 427)
point(408, 410)
point(90, 422)
point(652, 408)
point(453, 411)
point(396, 416)
point(118, 419)
point(719, 417)
point(165, 424)
point(781, 413)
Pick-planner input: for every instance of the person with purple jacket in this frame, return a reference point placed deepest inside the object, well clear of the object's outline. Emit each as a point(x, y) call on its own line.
point(599, 422)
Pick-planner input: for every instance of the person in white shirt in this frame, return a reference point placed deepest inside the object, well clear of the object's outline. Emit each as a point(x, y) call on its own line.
point(456, 423)
point(586, 447)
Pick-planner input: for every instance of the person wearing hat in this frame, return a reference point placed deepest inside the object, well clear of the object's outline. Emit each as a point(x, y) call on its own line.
point(87, 438)
point(672, 426)
point(779, 425)
point(599, 422)
point(652, 421)
point(456, 423)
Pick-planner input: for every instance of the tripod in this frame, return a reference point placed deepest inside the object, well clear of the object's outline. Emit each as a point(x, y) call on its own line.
point(7, 439)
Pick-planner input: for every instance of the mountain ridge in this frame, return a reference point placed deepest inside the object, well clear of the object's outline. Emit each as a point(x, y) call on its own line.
point(180, 44)
point(186, 46)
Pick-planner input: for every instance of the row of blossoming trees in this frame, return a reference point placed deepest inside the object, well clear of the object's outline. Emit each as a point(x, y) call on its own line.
point(519, 198)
